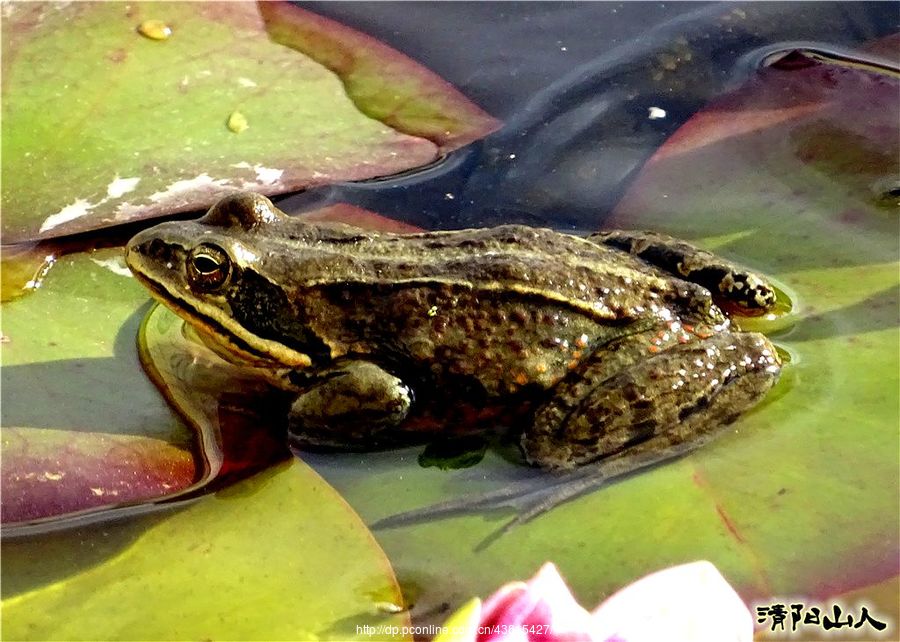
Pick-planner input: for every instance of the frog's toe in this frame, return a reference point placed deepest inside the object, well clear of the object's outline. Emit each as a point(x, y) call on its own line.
point(725, 279)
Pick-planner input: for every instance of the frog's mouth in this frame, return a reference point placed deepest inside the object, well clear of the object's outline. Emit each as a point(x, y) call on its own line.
point(231, 351)
point(223, 342)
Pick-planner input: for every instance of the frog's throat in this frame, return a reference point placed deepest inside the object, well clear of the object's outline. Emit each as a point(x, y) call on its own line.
point(225, 341)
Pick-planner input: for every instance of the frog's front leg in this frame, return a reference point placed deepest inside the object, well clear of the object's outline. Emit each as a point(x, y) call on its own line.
point(627, 402)
point(726, 280)
point(350, 405)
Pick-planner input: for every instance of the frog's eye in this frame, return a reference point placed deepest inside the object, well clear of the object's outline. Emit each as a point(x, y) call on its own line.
point(208, 267)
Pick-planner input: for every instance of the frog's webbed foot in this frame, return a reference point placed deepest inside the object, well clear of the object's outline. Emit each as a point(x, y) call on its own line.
point(351, 405)
point(625, 412)
point(532, 498)
point(723, 278)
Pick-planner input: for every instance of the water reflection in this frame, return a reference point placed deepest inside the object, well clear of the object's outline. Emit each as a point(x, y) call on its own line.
point(574, 83)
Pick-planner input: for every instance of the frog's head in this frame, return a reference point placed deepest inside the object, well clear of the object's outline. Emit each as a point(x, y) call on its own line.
point(211, 273)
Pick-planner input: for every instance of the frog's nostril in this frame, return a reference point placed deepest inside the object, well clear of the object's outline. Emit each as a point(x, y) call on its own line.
point(155, 248)
point(143, 249)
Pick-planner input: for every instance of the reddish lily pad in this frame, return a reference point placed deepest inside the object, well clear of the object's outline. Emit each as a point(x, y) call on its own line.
point(82, 427)
point(131, 127)
point(55, 472)
point(360, 217)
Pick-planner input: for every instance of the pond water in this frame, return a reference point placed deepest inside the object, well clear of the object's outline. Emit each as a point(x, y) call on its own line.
point(687, 118)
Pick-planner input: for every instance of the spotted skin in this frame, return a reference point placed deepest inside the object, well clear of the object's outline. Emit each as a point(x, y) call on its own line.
point(723, 278)
point(588, 348)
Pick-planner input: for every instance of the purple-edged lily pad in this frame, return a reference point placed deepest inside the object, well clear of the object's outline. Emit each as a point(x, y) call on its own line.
point(50, 472)
point(103, 125)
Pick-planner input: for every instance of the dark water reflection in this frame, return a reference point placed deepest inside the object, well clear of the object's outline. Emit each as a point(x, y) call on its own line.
point(574, 84)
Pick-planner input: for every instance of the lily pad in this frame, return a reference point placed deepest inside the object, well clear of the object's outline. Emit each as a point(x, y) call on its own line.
point(808, 186)
point(383, 83)
point(83, 428)
point(82, 425)
point(56, 472)
point(276, 557)
point(133, 126)
point(793, 500)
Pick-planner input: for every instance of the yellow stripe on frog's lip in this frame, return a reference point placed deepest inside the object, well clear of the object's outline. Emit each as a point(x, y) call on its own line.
point(246, 352)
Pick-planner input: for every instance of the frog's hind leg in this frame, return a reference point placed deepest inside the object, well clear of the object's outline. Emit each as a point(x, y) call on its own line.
point(726, 280)
point(676, 397)
point(648, 410)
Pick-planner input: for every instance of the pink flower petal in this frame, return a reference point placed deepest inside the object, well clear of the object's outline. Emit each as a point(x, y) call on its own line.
point(689, 603)
point(505, 602)
point(543, 609)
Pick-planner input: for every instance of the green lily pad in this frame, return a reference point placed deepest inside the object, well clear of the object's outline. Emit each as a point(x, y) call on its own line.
point(132, 126)
point(83, 428)
point(82, 425)
point(276, 557)
point(797, 498)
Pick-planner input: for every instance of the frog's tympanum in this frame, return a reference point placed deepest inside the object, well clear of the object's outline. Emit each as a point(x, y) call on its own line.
point(587, 347)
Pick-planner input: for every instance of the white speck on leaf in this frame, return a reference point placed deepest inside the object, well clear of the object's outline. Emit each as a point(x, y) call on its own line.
point(180, 187)
point(267, 175)
point(246, 82)
point(114, 265)
point(125, 211)
point(79, 208)
point(121, 186)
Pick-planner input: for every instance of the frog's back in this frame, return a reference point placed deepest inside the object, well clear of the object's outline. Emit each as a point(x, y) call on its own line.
point(511, 261)
point(507, 307)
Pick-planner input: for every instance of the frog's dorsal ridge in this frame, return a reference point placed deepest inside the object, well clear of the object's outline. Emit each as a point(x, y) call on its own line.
point(246, 210)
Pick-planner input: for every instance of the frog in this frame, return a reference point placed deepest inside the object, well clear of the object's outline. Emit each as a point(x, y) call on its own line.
point(582, 348)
